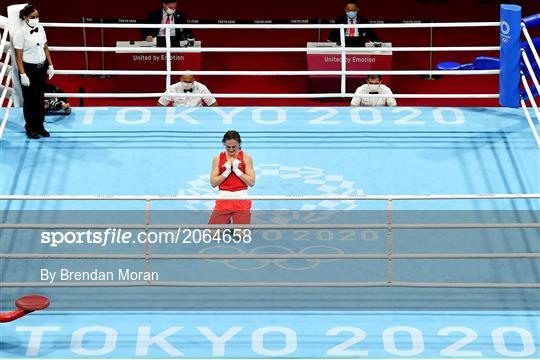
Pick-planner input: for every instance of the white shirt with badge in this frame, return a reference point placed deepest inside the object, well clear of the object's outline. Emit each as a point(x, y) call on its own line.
point(164, 18)
point(32, 43)
point(359, 100)
point(198, 88)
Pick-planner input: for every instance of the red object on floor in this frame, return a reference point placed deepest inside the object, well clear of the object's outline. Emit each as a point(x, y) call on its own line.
point(32, 302)
point(25, 305)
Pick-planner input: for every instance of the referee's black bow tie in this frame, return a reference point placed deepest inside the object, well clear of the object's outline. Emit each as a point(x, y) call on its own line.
point(34, 30)
point(186, 90)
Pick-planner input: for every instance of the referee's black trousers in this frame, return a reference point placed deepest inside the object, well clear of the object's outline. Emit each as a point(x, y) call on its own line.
point(34, 96)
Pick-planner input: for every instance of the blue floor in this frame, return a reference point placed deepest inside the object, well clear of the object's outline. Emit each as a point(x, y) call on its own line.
point(296, 151)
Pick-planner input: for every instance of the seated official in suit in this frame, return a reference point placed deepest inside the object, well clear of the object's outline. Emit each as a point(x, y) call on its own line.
point(188, 85)
point(169, 14)
point(357, 36)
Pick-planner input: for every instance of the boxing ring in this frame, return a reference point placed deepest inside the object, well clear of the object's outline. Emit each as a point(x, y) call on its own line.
point(408, 232)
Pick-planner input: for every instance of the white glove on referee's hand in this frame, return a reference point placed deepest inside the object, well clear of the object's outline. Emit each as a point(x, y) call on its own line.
point(236, 163)
point(50, 72)
point(25, 80)
point(227, 171)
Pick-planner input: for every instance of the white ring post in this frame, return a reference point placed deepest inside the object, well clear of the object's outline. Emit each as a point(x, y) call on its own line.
point(169, 66)
point(343, 61)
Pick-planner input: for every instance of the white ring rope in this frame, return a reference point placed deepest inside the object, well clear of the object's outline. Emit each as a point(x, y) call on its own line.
point(275, 26)
point(269, 49)
point(531, 98)
point(6, 116)
point(3, 42)
point(278, 72)
point(531, 44)
point(426, 226)
point(5, 67)
point(270, 197)
point(218, 284)
point(5, 90)
point(343, 73)
point(276, 96)
point(531, 73)
point(290, 256)
point(530, 121)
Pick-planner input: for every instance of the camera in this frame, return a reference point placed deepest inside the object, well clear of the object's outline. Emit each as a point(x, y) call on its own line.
point(55, 105)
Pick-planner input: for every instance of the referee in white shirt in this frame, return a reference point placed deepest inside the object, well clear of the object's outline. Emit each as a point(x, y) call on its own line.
point(373, 85)
point(188, 85)
point(35, 65)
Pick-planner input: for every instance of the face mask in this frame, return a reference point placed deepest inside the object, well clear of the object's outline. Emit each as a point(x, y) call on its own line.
point(351, 14)
point(33, 22)
point(373, 88)
point(187, 86)
point(170, 11)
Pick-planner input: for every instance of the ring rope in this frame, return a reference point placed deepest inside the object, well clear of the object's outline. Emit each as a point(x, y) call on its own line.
point(276, 96)
point(275, 26)
point(269, 49)
point(6, 116)
point(5, 88)
point(278, 72)
point(530, 42)
point(291, 256)
point(275, 226)
point(218, 284)
point(532, 74)
point(531, 99)
point(530, 121)
point(271, 197)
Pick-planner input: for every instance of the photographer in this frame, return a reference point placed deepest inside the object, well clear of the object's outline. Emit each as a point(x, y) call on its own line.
point(56, 105)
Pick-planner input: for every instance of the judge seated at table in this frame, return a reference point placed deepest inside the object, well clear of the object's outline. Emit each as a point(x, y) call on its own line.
point(188, 85)
point(373, 86)
point(168, 14)
point(353, 36)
